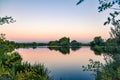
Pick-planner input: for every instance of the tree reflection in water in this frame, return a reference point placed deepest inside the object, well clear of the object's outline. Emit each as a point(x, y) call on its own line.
point(64, 50)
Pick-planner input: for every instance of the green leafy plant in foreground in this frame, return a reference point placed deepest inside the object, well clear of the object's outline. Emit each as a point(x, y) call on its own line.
point(110, 70)
point(12, 67)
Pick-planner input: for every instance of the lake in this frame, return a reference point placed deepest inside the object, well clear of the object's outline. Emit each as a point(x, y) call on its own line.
point(62, 66)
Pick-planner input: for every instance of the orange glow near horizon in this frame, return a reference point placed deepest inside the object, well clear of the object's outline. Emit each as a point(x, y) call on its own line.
point(36, 34)
point(41, 22)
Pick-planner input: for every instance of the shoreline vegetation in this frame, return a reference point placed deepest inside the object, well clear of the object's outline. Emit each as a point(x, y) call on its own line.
point(63, 42)
point(97, 45)
point(12, 67)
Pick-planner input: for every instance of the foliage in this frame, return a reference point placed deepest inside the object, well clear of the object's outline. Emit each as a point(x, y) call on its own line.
point(113, 19)
point(79, 2)
point(110, 42)
point(108, 71)
point(97, 41)
point(115, 31)
point(6, 19)
point(108, 4)
point(12, 68)
point(64, 42)
point(54, 43)
point(74, 43)
point(34, 72)
point(29, 45)
point(98, 50)
point(93, 66)
point(63, 45)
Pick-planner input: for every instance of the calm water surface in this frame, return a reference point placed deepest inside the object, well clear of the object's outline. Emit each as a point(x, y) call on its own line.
point(62, 66)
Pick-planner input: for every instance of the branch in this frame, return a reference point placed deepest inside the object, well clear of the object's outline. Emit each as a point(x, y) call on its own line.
point(79, 2)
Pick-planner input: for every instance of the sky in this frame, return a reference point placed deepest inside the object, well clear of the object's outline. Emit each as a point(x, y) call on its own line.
point(46, 20)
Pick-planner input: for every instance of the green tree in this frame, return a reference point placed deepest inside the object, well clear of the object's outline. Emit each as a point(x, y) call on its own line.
point(74, 43)
point(65, 42)
point(53, 43)
point(97, 41)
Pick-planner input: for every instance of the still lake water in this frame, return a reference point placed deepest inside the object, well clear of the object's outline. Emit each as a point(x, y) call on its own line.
point(62, 66)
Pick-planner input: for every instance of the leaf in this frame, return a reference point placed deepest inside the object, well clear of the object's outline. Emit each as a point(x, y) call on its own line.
point(109, 20)
point(105, 23)
point(116, 13)
point(112, 15)
point(79, 2)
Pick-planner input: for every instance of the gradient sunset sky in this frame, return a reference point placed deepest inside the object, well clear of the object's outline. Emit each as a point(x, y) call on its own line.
point(45, 20)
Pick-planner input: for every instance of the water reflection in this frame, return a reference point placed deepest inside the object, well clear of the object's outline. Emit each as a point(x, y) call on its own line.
point(75, 48)
point(65, 67)
point(64, 50)
point(12, 67)
point(108, 71)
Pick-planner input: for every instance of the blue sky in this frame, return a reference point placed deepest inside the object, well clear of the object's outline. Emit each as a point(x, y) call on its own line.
point(45, 20)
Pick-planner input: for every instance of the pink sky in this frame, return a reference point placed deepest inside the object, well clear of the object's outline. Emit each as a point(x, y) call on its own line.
point(45, 20)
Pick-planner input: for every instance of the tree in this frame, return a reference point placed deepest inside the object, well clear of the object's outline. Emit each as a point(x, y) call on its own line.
point(97, 41)
point(53, 43)
point(111, 70)
point(2, 38)
point(64, 42)
point(74, 43)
